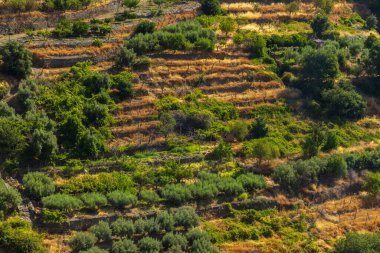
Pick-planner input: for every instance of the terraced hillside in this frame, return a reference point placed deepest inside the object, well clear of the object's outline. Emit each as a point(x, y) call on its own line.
point(185, 126)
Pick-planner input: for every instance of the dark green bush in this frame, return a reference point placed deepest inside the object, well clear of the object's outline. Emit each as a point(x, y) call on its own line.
point(16, 59)
point(145, 27)
point(211, 7)
point(358, 243)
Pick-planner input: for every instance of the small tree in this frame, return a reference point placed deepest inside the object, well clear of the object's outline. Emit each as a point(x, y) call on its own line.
point(265, 150)
point(336, 167)
point(320, 24)
point(125, 58)
point(239, 130)
point(16, 59)
point(145, 27)
point(131, 4)
point(82, 241)
point(223, 151)
point(372, 22)
point(211, 7)
point(259, 128)
point(227, 25)
point(43, 144)
point(313, 142)
point(372, 184)
point(168, 123)
point(38, 185)
point(102, 231)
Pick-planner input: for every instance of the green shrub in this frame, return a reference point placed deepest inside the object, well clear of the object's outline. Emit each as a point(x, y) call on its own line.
point(124, 246)
point(16, 59)
point(145, 27)
point(53, 216)
point(251, 181)
point(62, 202)
point(222, 151)
point(93, 200)
point(102, 231)
point(82, 241)
point(125, 58)
point(204, 191)
point(372, 184)
point(141, 63)
point(122, 227)
point(94, 249)
point(17, 236)
point(336, 167)
point(176, 194)
point(358, 243)
point(151, 197)
point(121, 199)
point(171, 240)
point(148, 244)
point(103, 182)
point(9, 198)
point(38, 185)
point(320, 24)
point(165, 221)
point(186, 217)
point(211, 7)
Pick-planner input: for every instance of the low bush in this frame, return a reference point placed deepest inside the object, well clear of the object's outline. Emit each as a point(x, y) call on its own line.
point(38, 185)
point(17, 236)
point(102, 231)
point(186, 217)
point(148, 244)
point(82, 241)
point(124, 246)
point(121, 199)
point(123, 228)
point(62, 202)
point(93, 200)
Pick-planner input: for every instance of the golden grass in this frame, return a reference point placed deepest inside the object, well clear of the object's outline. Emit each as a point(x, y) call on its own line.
point(70, 51)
